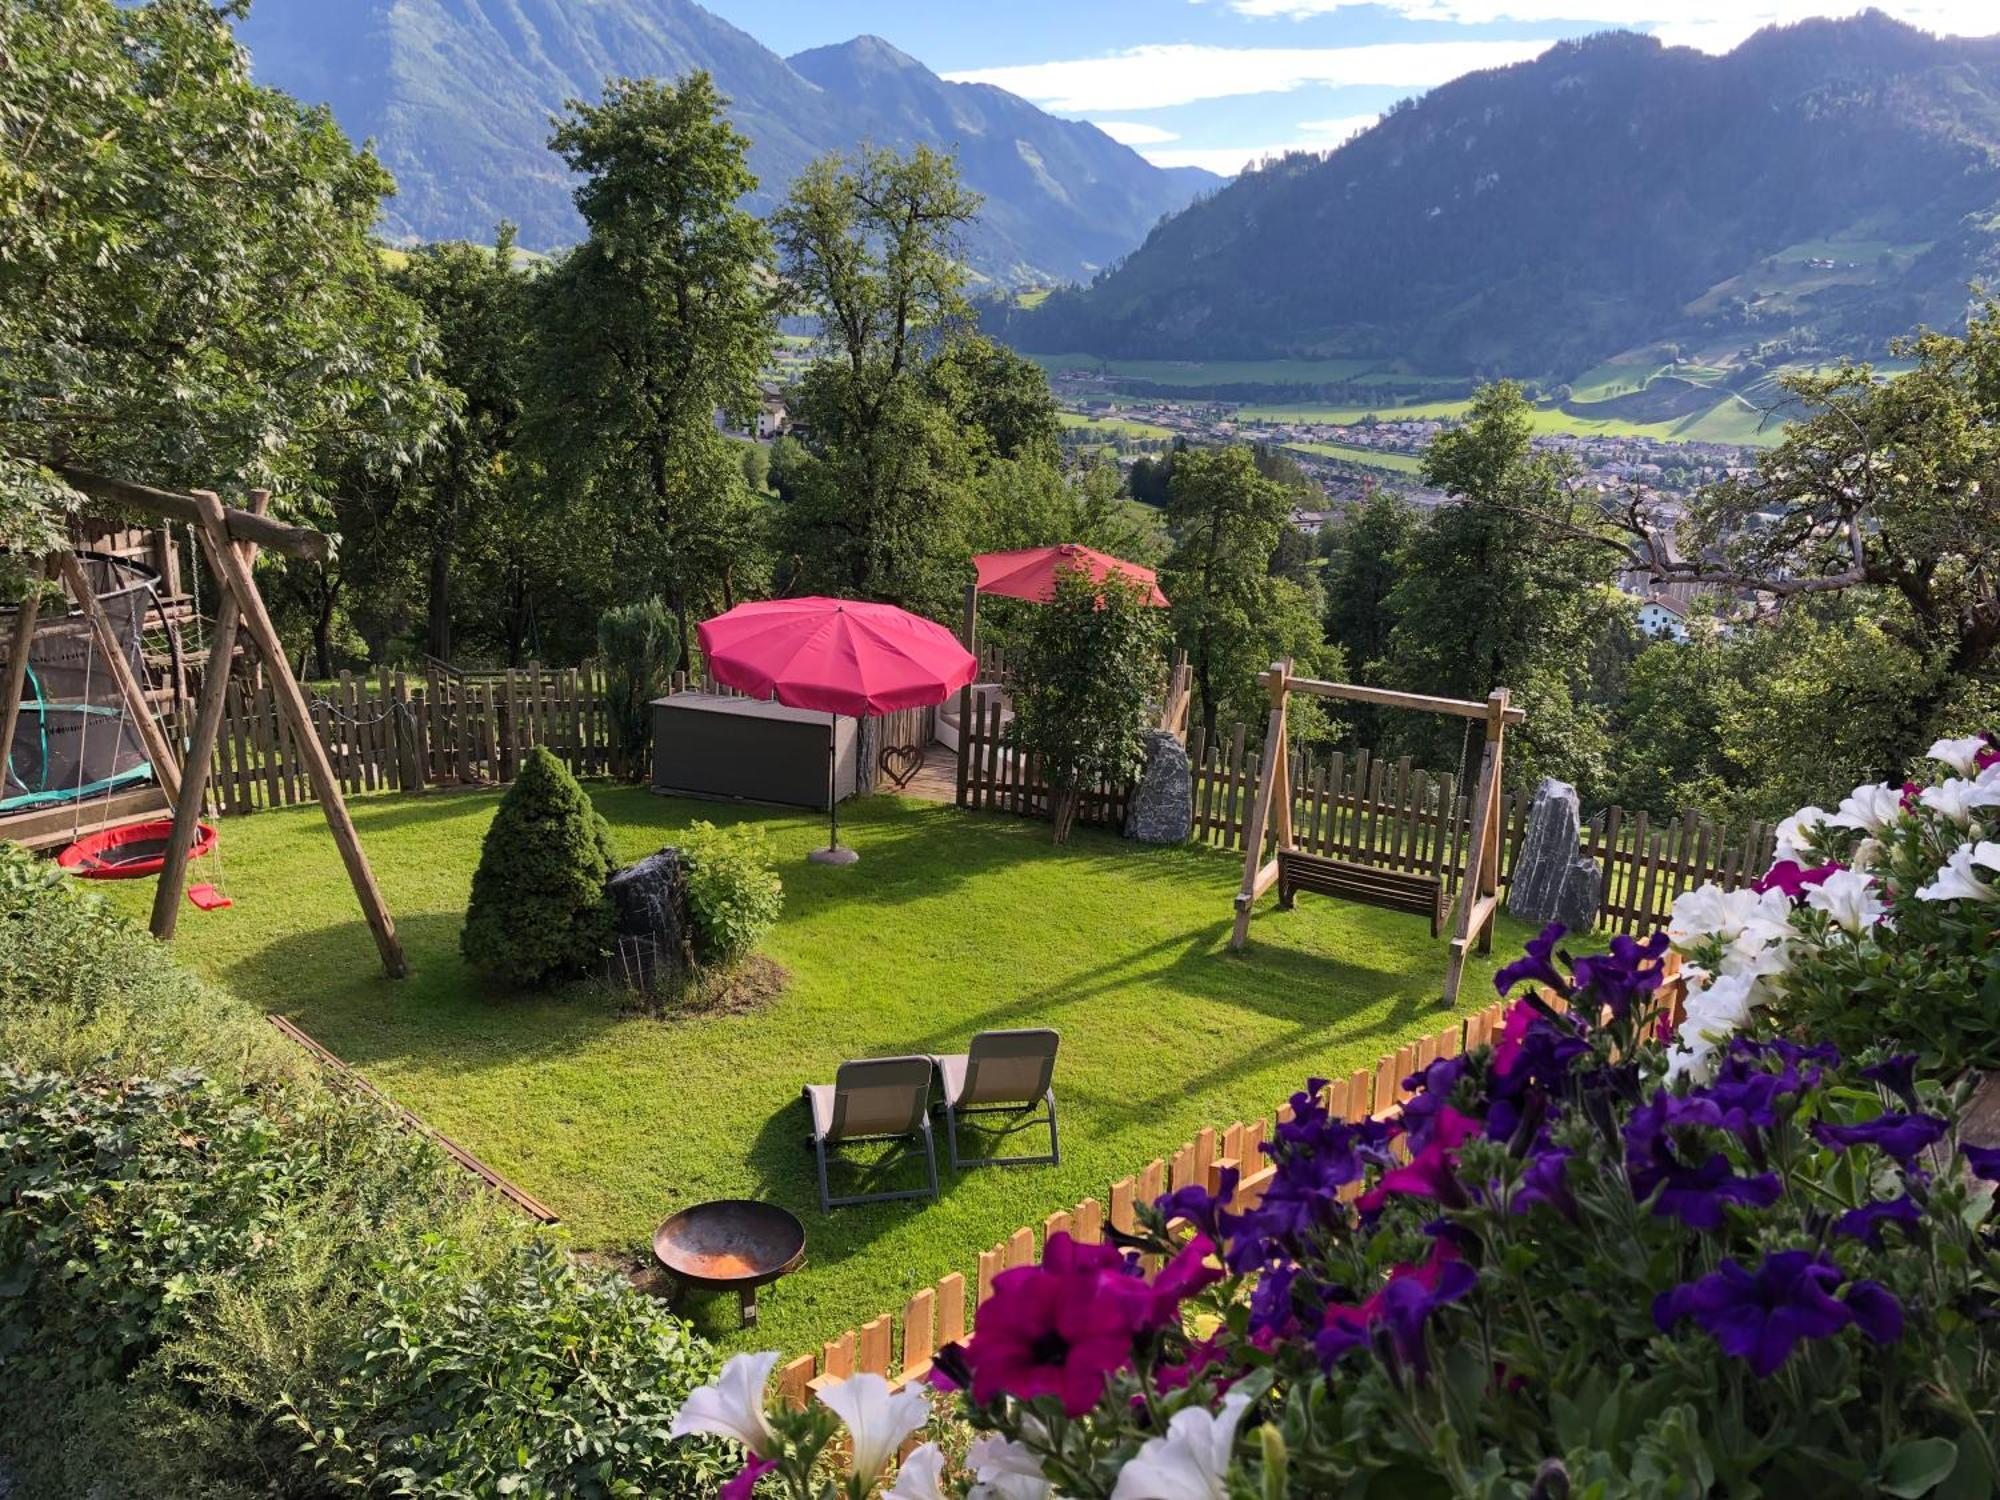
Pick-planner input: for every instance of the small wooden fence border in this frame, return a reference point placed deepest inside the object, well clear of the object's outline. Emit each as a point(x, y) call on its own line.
point(900, 1346)
point(345, 1077)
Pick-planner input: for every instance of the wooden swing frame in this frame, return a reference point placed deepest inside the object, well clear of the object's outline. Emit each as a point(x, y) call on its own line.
point(1271, 813)
point(230, 539)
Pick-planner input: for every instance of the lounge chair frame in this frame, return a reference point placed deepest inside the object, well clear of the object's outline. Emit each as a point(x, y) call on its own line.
point(918, 1131)
point(1024, 1110)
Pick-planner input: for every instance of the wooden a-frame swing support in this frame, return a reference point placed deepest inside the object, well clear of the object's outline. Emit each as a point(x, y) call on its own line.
point(1271, 812)
point(230, 539)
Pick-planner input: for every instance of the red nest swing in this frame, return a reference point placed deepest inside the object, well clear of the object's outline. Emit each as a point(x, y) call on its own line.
point(130, 852)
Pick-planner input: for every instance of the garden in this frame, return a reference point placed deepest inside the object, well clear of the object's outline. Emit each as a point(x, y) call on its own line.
point(953, 923)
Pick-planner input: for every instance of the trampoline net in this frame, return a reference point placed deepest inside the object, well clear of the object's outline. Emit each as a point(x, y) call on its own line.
point(74, 740)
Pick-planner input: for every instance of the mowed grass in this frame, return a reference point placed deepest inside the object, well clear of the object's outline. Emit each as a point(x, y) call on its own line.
point(1356, 453)
point(951, 922)
point(1126, 427)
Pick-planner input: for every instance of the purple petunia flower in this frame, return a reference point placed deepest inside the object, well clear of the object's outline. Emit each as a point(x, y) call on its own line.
point(1403, 1306)
point(1271, 1301)
point(1692, 1191)
point(1763, 1316)
point(1984, 1161)
point(1430, 1096)
point(1538, 965)
point(1865, 1223)
point(1899, 1135)
point(1201, 1208)
point(1897, 1074)
point(1624, 976)
point(1545, 1180)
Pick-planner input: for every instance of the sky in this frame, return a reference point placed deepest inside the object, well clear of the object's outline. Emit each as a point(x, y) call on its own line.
point(1223, 83)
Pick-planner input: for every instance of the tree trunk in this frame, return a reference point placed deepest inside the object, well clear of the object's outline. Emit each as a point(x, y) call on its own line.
point(439, 602)
point(323, 627)
point(1063, 803)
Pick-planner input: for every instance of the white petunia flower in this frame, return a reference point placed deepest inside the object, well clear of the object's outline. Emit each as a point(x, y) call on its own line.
point(1961, 755)
point(1709, 911)
point(1755, 955)
point(877, 1417)
point(1848, 897)
point(1957, 882)
point(1191, 1462)
point(1957, 798)
point(1797, 832)
point(1692, 1058)
point(921, 1476)
point(1722, 1008)
point(732, 1406)
point(1869, 808)
point(1867, 854)
point(1006, 1470)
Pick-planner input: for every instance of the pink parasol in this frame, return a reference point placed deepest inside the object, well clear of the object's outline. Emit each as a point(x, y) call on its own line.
point(1030, 573)
point(840, 656)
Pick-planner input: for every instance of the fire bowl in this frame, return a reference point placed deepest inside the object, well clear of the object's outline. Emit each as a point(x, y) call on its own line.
point(731, 1244)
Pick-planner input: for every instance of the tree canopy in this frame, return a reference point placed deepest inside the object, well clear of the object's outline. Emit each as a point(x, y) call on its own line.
point(189, 294)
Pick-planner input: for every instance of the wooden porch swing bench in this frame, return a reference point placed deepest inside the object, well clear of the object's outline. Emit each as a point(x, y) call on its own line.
point(1470, 900)
point(1393, 890)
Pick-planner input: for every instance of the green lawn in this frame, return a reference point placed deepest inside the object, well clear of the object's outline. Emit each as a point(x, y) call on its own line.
point(1356, 453)
point(1129, 427)
point(951, 922)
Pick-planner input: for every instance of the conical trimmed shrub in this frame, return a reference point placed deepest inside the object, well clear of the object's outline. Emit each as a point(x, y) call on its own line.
point(538, 911)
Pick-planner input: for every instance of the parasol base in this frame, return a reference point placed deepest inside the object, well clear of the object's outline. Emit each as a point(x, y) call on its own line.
point(839, 854)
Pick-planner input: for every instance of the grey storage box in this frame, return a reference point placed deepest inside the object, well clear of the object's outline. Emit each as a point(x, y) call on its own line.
point(709, 745)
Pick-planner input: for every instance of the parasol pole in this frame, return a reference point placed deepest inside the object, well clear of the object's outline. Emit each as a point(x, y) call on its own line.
point(833, 854)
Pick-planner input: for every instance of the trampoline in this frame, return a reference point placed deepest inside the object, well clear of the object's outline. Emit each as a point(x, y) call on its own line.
point(73, 740)
point(130, 852)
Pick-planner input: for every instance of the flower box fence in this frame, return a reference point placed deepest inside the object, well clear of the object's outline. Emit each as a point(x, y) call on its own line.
point(900, 1346)
point(1388, 812)
point(442, 727)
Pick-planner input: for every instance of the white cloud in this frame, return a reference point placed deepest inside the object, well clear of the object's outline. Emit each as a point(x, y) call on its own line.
point(1712, 25)
point(1132, 133)
point(1313, 135)
point(1162, 74)
point(1336, 132)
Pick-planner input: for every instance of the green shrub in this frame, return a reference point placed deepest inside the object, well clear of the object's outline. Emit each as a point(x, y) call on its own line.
point(526, 1377)
point(538, 909)
point(79, 983)
point(734, 894)
point(640, 645)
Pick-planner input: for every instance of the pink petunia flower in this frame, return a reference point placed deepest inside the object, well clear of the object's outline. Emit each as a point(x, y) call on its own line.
point(1059, 1328)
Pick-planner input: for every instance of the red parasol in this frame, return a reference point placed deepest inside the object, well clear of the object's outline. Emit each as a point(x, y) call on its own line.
point(840, 656)
point(1030, 573)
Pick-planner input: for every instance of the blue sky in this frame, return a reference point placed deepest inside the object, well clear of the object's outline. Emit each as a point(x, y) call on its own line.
point(1217, 83)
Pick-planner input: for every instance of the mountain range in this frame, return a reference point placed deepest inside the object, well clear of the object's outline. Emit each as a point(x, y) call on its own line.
point(457, 96)
point(1819, 189)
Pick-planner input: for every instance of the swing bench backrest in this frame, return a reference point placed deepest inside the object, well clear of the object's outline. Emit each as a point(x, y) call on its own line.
point(1370, 885)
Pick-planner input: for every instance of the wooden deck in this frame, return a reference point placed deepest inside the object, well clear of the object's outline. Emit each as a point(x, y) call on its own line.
point(937, 781)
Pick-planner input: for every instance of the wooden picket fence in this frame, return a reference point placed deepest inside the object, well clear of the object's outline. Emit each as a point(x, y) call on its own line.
point(1388, 812)
point(900, 1346)
point(408, 731)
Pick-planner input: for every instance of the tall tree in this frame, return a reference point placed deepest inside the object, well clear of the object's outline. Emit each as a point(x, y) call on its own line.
point(476, 300)
point(1364, 562)
point(1230, 612)
point(1501, 587)
point(1884, 495)
point(657, 321)
point(189, 293)
point(870, 245)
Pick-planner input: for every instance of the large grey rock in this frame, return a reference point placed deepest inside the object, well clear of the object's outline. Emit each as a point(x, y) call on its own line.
point(650, 917)
point(1554, 881)
point(1161, 807)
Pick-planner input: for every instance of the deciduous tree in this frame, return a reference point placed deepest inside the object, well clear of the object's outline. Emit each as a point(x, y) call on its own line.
point(658, 320)
point(870, 246)
point(189, 294)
